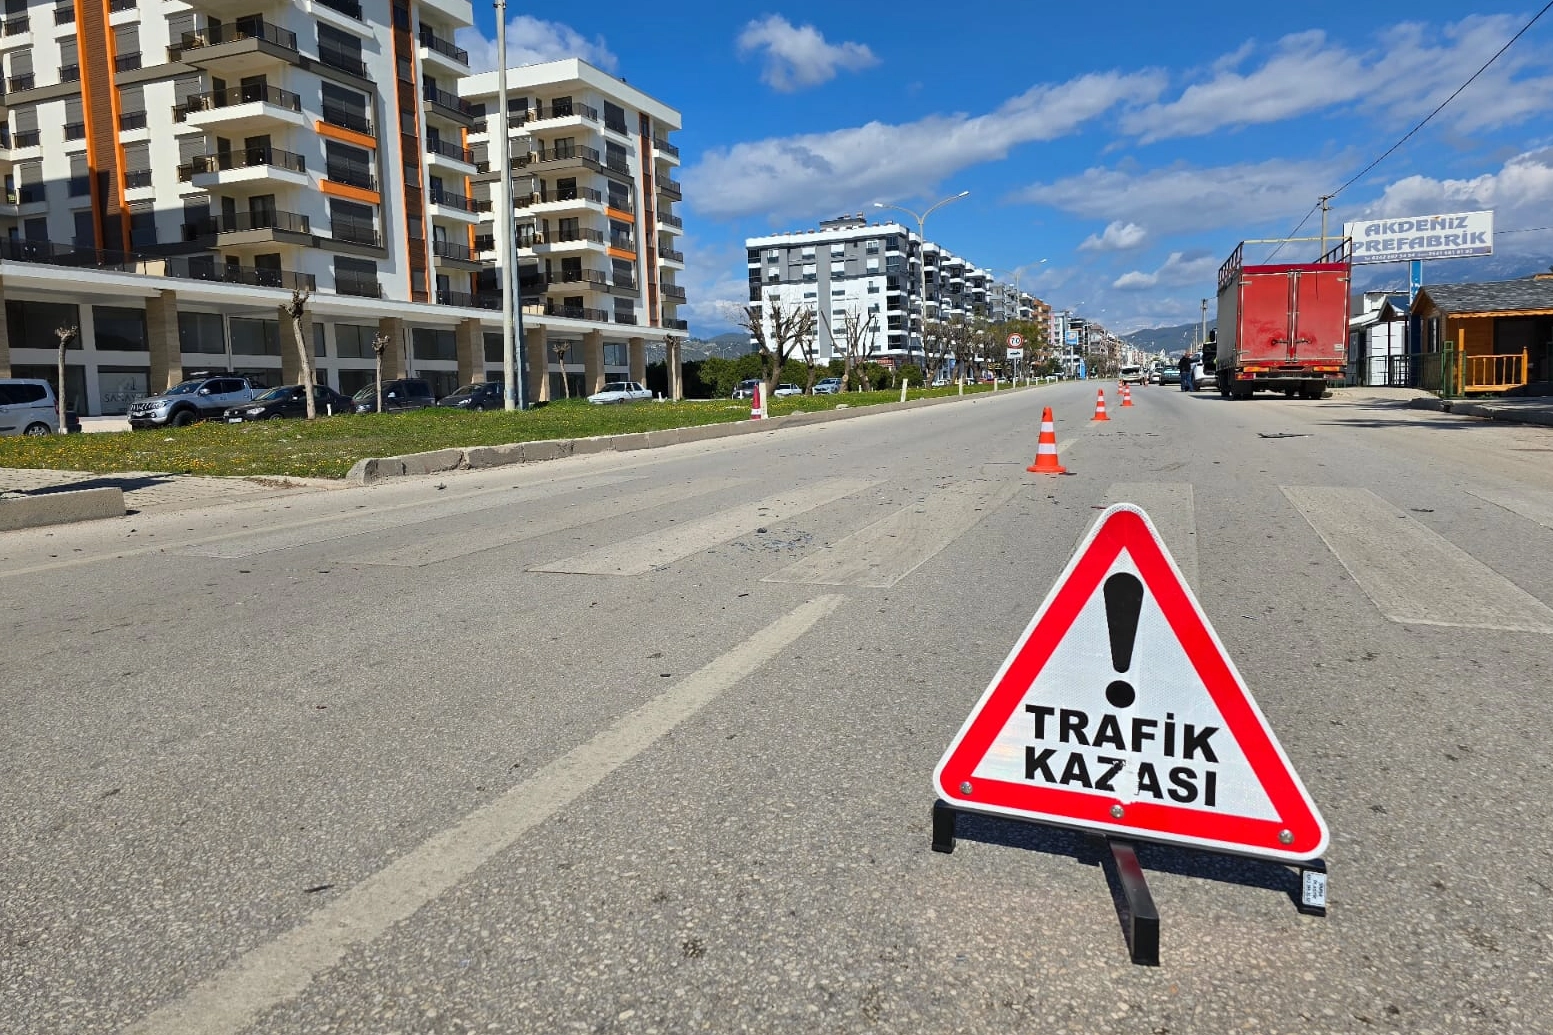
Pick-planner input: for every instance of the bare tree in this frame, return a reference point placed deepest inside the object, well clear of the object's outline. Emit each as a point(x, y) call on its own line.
point(66, 335)
point(675, 364)
point(561, 348)
point(859, 332)
point(779, 331)
point(379, 346)
point(297, 309)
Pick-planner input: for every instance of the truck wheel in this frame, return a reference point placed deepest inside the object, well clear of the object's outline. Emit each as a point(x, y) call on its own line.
point(183, 418)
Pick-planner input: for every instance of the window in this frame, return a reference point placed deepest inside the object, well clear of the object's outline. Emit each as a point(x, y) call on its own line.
point(69, 61)
point(80, 176)
point(84, 231)
point(873, 265)
point(808, 253)
point(75, 119)
point(318, 342)
point(809, 272)
point(837, 292)
point(126, 56)
point(352, 221)
point(350, 165)
point(810, 294)
point(120, 329)
point(346, 108)
point(838, 269)
point(773, 276)
point(354, 341)
point(340, 50)
point(30, 325)
point(201, 333)
point(838, 250)
point(355, 277)
point(255, 337)
point(615, 117)
point(142, 224)
point(773, 256)
point(137, 165)
point(433, 343)
point(872, 247)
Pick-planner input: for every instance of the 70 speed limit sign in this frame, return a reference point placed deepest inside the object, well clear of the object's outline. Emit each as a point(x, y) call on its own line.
point(1016, 346)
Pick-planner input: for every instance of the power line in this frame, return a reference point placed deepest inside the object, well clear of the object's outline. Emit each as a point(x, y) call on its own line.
point(1293, 232)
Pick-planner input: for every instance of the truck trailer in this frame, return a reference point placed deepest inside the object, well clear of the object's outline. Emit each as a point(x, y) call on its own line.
point(1282, 327)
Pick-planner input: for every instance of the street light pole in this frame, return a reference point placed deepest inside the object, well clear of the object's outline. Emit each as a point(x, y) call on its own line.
point(506, 242)
point(922, 260)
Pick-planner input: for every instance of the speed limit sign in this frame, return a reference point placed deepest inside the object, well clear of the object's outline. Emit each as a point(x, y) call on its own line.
point(1016, 341)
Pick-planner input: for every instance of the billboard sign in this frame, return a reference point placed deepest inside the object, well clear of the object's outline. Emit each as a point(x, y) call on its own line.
point(1407, 238)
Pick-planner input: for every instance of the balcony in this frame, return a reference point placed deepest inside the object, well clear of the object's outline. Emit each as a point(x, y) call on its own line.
point(443, 152)
point(576, 312)
point(670, 255)
point(14, 26)
point(64, 15)
point(438, 51)
point(467, 300)
point(347, 118)
point(75, 131)
point(131, 120)
point(244, 108)
point(18, 83)
point(241, 48)
point(246, 228)
point(51, 253)
point(189, 267)
point(670, 189)
point(566, 235)
point(670, 219)
point(246, 165)
point(624, 242)
point(574, 156)
point(673, 291)
point(115, 6)
point(664, 147)
point(572, 110)
point(70, 73)
point(448, 106)
point(573, 280)
point(456, 206)
point(355, 231)
point(350, 174)
point(560, 200)
point(137, 179)
point(454, 255)
point(675, 325)
point(126, 62)
point(27, 138)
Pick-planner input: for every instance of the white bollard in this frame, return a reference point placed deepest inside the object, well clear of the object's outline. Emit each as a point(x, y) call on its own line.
point(904, 383)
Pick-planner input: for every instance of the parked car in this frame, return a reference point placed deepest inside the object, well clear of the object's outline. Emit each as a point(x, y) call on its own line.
point(784, 389)
point(1154, 376)
point(746, 389)
point(1131, 375)
point(620, 392)
point(1170, 376)
point(941, 382)
point(827, 386)
point(202, 397)
point(29, 407)
point(405, 393)
point(482, 395)
point(288, 401)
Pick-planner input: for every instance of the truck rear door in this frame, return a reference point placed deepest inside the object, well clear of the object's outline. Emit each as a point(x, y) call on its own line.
point(1265, 299)
point(1318, 307)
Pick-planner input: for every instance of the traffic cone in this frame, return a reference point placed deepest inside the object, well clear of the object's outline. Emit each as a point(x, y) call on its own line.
point(1046, 448)
point(758, 402)
point(1126, 395)
point(1100, 405)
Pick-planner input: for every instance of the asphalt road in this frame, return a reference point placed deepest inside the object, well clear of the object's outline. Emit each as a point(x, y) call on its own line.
point(643, 742)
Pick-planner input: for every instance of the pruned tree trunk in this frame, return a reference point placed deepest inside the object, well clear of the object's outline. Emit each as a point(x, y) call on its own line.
point(379, 346)
point(561, 348)
point(297, 309)
point(66, 335)
point(792, 329)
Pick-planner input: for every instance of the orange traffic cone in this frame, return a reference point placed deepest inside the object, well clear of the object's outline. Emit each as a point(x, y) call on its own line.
point(1100, 405)
point(758, 402)
point(1126, 395)
point(1046, 448)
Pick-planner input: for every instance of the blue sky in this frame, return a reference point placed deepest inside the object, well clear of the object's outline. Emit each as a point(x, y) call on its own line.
point(1130, 145)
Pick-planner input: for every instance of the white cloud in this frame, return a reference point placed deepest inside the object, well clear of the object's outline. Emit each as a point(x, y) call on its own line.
point(532, 40)
point(1182, 197)
point(1117, 237)
point(817, 173)
point(715, 283)
point(1178, 270)
point(1405, 73)
point(798, 56)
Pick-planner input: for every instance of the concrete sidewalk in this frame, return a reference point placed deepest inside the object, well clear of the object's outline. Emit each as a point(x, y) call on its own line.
point(1519, 411)
point(153, 491)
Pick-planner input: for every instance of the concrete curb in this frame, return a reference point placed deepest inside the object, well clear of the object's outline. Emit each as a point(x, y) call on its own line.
point(1509, 412)
point(59, 508)
point(377, 469)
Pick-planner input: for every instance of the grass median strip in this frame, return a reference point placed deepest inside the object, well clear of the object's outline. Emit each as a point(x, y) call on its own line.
point(328, 446)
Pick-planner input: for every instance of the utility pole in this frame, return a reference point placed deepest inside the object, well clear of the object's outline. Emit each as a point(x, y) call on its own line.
point(1325, 204)
point(922, 264)
point(1204, 339)
point(506, 241)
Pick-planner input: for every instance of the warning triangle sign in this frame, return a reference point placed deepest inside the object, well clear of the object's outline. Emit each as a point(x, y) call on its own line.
point(1119, 711)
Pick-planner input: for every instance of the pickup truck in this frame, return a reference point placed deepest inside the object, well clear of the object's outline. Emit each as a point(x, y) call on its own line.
point(199, 398)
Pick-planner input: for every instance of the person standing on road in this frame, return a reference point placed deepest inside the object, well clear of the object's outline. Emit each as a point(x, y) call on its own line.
point(1186, 372)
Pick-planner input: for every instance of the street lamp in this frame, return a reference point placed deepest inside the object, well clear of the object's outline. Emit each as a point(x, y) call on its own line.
point(922, 259)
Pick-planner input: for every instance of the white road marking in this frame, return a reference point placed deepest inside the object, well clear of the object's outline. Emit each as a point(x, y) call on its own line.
point(234, 997)
point(888, 550)
point(432, 549)
point(1402, 565)
point(1172, 508)
point(270, 540)
point(1532, 505)
point(650, 550)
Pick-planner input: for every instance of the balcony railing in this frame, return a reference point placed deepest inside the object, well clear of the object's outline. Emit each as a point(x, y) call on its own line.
point(562, 154)
point(672, 291)
point(244, 158)
point(250, 94)
point(52, 253)
point(246, 222)
point(363, 285)
point(561, 277)
point(75, 131)
point(621, 203)
point(355, 231)
point(625, 242)
point(625, 316)
point(350, 175)
point(126, 62)
point(458, 201)
point(218, 34)
point(16, 26)
point(351, 8)
point(137, 178)
point(132, 120)
point(64, 15)
point(443, 99)
point(670, 219)
point(451, 250)
point(576, 312)
point(345, 60)
point(18, 83)
point(431, 41)
point(121, 5)
point(675, 325)
point(620, 165)
point(27, 138)
point(70, 73)
point(191, 268)
point(671, 188)
point(557, 111)
point(670, 255)
point(448, 149)
point(467, 300)
point(664, 146)
point(563, 194)
point(580, 233)
point(347, 118)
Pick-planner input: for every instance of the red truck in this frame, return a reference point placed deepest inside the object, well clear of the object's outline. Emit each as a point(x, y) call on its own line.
point(1283, 327)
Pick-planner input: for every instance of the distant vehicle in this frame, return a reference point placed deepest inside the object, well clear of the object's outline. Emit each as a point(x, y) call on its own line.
point(1170, 376)
point(1282, 327)
point(405, 393)
point(746, 389)
point(827, 386)
point(29, 407)
point(940, 382)
point(620, 392)
point(288, 401)
point(482, 395)
point(1199, 382)
point(204, 397)
point(1155, 376)
point(785, 389)
point(1131, 375)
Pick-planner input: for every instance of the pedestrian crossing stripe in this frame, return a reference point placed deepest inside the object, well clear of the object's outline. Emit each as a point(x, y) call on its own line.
point(1119, 711)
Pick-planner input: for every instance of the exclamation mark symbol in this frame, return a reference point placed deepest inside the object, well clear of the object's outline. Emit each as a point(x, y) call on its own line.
point(1123, 601)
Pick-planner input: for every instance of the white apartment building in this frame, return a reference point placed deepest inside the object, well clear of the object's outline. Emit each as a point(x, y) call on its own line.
point(594, 195)
point(850, 264)
point(173, 170)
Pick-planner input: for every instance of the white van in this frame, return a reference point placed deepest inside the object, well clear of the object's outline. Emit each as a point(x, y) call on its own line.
point(27, 407)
